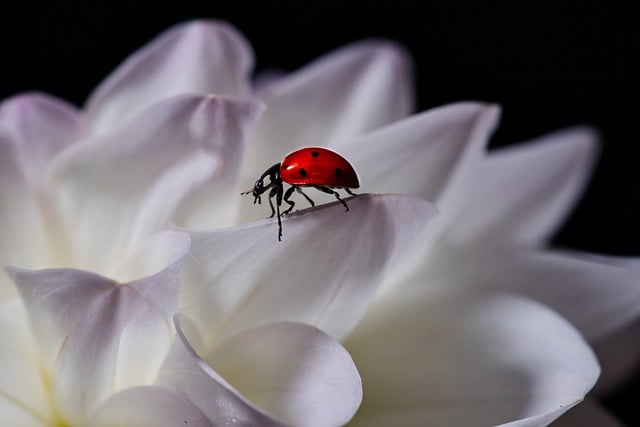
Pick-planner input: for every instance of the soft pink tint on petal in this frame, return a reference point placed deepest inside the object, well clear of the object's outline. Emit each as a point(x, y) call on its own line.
point(256, 280)
point(147, 406)
point(467, 359)
point(425, 155)
point(523, 193)
point(198, 57)
point(24, 233)
point(85, 327)
point(348, 92)
point(587, 414)
point(23, 397)
point(39, 126)
point(186, 373)
point(215, 204)
point(293, 371)
point(598, 297)
point(119, 188)
point(33, 129)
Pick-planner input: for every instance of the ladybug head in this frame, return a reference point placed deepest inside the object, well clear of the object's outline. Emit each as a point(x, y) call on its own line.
point(257, 190)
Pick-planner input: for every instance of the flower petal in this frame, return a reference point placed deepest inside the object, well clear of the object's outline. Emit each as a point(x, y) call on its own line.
point(239, 277)
point(186, 373)
point(33, 129)
point(465, 358)
point(23, 228)
point(13, 415)
point(425, 155)
point(148, 406)
point(598, 297)
point(293, 371)
point(523, 192)
point(132, 182)
point(198, 57)
point(349, 92)
point(89, 331)
point(40, 126)
point(23, 398)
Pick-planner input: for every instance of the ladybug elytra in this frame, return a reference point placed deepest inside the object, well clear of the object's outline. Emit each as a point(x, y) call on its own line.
point(316, 167)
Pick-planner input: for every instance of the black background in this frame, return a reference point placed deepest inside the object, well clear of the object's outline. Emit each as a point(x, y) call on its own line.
point(549, 66)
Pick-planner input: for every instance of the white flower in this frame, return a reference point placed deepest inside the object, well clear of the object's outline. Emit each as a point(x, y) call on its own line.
point(93, 282)
point(90, 195)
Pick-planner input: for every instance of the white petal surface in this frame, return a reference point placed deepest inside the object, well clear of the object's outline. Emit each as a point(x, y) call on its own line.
point(186, 373)
point(425, 155)
point(293, 371)
point(132, 181)
point(89, 328)
point(597, 297)
point(40, 126)
point(523, 192)
point(467, 359)
point(33, 129)
point(13, 415)
point(255, 279)
point(199, 57)
point(349, 92)
point(148, 407)
point(23, 229)
point(23, 398)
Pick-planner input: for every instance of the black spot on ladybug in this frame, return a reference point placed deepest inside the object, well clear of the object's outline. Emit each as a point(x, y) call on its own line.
point(314, 154)
point(338, 173)
point(303, 173)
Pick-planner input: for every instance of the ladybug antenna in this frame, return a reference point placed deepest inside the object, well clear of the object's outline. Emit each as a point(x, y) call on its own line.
point(256, 197)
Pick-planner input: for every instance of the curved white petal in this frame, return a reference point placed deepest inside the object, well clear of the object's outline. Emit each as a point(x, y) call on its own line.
point(13, 415)
point(241, 277)
point(465, 358)
point(523, 192)
point(96, 336)
point(293, 371)
point(148, 406)
point(198, 57)
point(152, 255)
point(23, 394)
point(119, 188)
point(349, 92)
point(40, 126)
point(186, 373)
point(23, 227)
point(598, 297)
point(587, 414)
point(425, 155)
point(33, 129)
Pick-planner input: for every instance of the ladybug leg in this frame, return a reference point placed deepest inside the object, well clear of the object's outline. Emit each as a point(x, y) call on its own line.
point(291, 203)
point(335, 193)
point(348, 190)
point(278, 193)
point(272, 194)
point(299, 190)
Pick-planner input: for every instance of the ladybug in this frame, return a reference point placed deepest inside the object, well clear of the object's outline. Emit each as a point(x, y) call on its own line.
point(316, 167)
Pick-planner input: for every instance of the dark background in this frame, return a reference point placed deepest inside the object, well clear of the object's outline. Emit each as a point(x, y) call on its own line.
point(549, 66)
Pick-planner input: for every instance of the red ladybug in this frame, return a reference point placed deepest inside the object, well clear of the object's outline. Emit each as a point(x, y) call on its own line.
point(315, 167)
